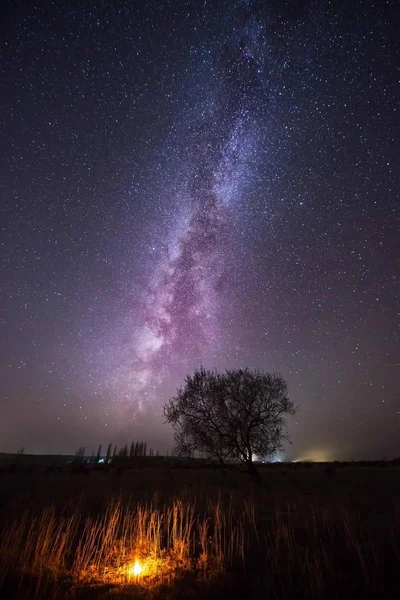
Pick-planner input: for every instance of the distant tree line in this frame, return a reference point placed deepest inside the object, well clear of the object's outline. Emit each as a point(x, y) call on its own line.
point(115, 454)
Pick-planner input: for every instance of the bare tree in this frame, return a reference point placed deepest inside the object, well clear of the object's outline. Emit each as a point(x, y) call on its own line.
point(79, 454)
point(98, 455)
point(240, 414)
point(123, 452)
point(109, 451)
point(132, 450)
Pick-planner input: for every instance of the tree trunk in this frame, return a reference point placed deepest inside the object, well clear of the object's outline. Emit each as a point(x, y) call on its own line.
point(254, 471)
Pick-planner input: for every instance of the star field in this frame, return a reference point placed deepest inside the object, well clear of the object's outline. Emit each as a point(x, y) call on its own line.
point(188, 183)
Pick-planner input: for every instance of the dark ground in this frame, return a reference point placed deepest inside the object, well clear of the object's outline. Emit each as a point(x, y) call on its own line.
point(338, 526)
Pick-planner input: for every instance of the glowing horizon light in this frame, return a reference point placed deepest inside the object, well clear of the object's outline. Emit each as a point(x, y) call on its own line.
point(316, 455)
point(273, 458)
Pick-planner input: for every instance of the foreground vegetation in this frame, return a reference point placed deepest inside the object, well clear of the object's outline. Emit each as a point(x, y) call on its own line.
point(306, 532)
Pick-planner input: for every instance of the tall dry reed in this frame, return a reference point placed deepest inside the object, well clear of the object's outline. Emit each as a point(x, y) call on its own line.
point(284, 550)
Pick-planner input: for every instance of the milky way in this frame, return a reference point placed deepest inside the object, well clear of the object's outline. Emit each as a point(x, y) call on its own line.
point(206, 183)
point(180, 324)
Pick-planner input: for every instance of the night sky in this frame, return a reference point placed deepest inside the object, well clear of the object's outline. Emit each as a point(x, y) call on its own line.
point(198, 182)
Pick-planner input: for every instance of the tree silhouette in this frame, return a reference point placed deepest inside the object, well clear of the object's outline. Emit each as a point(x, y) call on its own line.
point(79, 454)
point(98, 455)
point(240, 414)
point(109, 451)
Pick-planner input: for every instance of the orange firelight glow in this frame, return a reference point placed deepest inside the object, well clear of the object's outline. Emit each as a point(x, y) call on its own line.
point(137, 569)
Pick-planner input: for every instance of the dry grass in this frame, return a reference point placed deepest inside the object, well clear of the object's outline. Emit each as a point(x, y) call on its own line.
point(255, 547)
point(165, 543)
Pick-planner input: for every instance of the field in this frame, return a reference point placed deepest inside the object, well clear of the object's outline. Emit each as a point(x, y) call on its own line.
point(309, 531)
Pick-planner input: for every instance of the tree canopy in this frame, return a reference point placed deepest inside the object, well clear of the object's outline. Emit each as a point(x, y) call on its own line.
point(240, 414)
